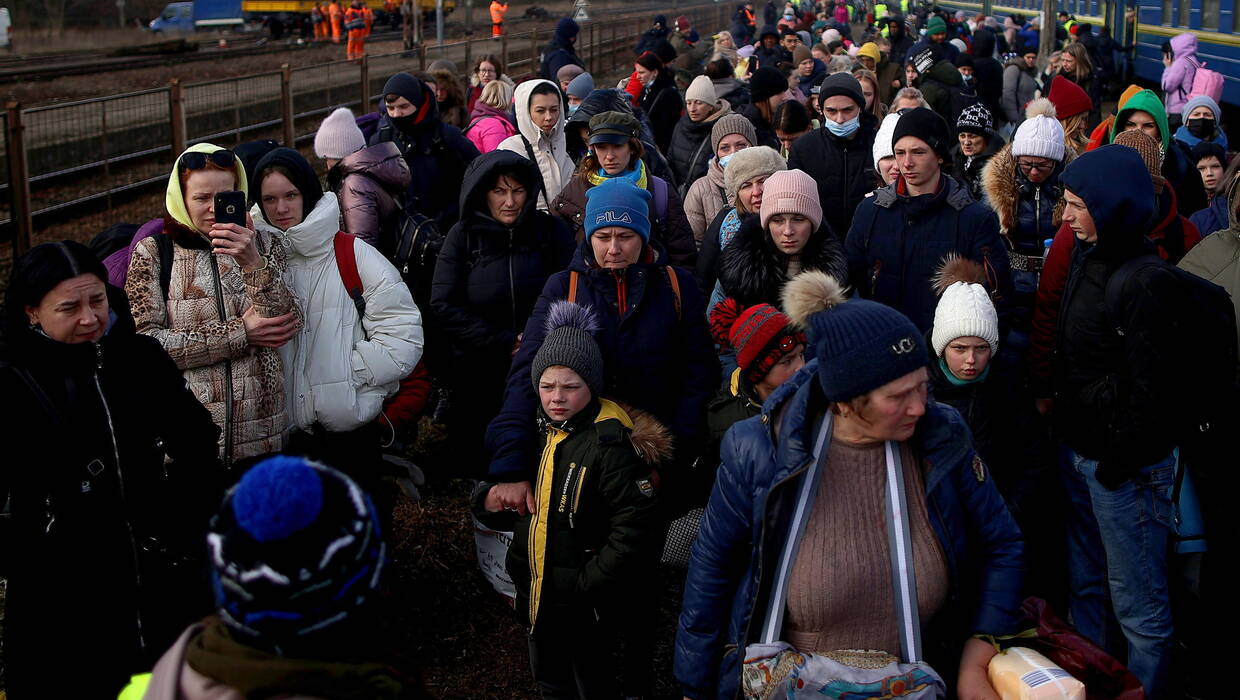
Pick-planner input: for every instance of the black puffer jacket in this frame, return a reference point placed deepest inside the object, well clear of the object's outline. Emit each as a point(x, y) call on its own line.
point(842, 167)
point(753, 271)
point(662, 104)
point(987, 72)
point(102, 419)
point(937, 85)
point(610, 100)
point(690, 151)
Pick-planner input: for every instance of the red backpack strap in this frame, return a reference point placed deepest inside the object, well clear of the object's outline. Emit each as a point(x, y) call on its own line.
point(572, 286)
point(346, 263)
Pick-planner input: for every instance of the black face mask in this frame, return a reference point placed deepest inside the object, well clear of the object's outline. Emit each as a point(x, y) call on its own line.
point(1201, 128)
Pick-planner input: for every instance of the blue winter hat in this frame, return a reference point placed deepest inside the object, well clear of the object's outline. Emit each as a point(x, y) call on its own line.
point(296, 550)
point(618, 202)
point(860, 344)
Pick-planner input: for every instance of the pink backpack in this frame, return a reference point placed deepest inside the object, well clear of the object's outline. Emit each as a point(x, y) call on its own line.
point(1207, 82)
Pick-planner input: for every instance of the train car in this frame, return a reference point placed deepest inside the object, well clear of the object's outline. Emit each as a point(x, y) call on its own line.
point(1146, 24)
point(256, 10)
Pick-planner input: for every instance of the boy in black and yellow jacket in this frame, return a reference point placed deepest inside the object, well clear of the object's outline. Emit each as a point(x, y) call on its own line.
point(592, 531)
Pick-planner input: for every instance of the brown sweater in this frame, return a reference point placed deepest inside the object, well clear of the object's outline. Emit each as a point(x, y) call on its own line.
point(840, 594)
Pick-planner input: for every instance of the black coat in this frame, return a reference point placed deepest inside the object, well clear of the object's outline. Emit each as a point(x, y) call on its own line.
point(662, 104)
point(842, 167)
point(80, 580)
point(987, 72)
point(690, 151)
point(753, 271)
point(763, 129)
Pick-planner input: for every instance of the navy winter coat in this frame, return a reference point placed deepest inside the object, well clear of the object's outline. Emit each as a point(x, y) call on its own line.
point(561, 50)
point(656, 358)
point(437, 155)
point(896, 244)
point(750, 510)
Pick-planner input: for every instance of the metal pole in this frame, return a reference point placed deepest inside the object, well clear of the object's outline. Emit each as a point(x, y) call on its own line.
point(421, 56)
point(176, 115)
point(469, 19)
point(286, 105)
point(439, 22)
point(534, 52)
point(365, 70)
point(19, 181)
point(503, 52)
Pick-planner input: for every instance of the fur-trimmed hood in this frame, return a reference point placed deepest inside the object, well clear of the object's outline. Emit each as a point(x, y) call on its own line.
point(753, 271)
point(1002, 188)
point(650, 438)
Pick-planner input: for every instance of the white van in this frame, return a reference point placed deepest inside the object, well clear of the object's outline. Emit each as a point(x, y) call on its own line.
point(6, 29)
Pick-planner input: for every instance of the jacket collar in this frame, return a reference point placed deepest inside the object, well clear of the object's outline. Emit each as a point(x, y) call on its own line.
point(311, 238)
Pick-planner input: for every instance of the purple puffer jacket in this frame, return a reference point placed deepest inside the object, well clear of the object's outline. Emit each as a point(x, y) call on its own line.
point(1177, 79)
point(365, 182)
point(117, 263)
point(488, 127)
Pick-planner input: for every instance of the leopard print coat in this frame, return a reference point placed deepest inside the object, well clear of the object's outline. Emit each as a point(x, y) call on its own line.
point(210, 349)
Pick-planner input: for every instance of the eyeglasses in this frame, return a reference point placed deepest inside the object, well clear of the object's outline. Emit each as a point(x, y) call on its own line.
point(487, 71)
point(197, 160)
point(1028, 166)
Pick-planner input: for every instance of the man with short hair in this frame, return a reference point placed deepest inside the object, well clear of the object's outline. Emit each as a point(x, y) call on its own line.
point(901, 235)
point(838, 154)
point(1112, 395)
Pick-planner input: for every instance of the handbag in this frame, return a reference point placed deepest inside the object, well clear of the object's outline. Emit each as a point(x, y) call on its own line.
point(774, 669)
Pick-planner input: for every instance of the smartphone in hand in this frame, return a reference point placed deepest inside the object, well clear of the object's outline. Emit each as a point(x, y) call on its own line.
point(230, 208)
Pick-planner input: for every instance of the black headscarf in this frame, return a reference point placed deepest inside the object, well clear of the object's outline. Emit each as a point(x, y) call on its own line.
point(304, 177)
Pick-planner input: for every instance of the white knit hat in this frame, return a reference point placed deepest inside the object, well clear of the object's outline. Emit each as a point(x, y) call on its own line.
point(883, 147)
point(1039, 136)
point(702, 90)
point(338, 136)
point(965, 310)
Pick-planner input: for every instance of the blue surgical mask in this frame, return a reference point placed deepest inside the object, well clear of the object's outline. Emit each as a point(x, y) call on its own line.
point(846, 129)
point(723, 162)
point(573, 108)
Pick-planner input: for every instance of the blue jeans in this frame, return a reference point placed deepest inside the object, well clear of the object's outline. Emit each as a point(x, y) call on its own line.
point(1130, 531)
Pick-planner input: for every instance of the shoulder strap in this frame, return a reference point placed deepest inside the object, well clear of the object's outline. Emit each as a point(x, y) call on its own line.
point(1113, 294)
point(684, 186)
point(163, 244)
point(658, 188)
point(542, 185)
point(572, 286)
point(903, 576)
point(41, 396)
point(674, 281)
point(346, 263)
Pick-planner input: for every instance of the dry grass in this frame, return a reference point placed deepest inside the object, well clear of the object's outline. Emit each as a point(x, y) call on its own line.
point(33, 42)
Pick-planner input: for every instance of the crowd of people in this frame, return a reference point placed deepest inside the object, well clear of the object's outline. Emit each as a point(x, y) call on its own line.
point(869, 327)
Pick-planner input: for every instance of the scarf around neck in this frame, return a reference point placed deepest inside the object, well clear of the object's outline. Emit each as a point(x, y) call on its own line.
point(636, 175)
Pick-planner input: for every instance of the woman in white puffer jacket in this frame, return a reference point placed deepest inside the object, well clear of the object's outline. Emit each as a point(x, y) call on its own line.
point(349, 357)
point(539, 106)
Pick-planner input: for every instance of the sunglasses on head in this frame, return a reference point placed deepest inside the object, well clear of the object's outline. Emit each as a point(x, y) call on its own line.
point(197, 161)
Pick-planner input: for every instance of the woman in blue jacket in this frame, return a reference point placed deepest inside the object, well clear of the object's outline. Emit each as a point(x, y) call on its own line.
point(870, 374)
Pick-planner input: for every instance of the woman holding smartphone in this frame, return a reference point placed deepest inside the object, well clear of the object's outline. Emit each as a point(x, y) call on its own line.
point(211, 290)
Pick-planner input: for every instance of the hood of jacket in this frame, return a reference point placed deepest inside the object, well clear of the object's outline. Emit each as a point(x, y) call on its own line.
point(478, 175)
point(1183, 45)
point(483, 110)
point(1115, 186)
point(945, 72)
point(525, 125)
point(1233, 201)
point(983, 44)
point(1003, 187)
point(174, 196)
point(753, 271)
point(1148, 102)
point(313, 236)
point(382, 162)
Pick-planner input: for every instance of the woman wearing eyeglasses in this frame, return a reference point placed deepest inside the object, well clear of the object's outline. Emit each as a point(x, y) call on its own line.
point(220, 308)
point(1022, 185)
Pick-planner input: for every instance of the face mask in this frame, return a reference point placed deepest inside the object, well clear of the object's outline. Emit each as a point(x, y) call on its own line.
point(405, 123)
point(966, 79)
point(1201, 128)
point(846, 129)
point(723, 162)
point(572, 109)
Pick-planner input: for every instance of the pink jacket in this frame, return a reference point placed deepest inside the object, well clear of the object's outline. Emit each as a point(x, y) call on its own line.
point(488, 127)
point(1177, 79)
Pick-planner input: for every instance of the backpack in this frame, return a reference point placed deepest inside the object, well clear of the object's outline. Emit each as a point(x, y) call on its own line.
point(418, 241)
point(1207, 82)
point(118, 237)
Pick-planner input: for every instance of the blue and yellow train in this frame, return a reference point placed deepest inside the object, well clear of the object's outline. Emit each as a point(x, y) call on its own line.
point(1146, 24)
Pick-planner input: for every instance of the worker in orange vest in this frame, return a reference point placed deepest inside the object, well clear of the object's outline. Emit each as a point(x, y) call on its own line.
point(369, 16)
point(336, 15)
point(499, 8)
point(355, 23)
point(319, 21)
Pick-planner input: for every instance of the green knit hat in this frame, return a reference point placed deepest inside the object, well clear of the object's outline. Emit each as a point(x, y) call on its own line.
point(936, 25)
point(1145, 101)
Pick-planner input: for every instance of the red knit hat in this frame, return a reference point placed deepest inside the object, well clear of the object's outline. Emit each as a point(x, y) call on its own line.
point(1068, 97)
point(761, 335)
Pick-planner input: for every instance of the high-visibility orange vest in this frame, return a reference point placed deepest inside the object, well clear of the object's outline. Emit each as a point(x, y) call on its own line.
point(498, 10)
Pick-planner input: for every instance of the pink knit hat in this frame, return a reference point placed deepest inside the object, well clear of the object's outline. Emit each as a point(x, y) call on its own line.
point(790, 192)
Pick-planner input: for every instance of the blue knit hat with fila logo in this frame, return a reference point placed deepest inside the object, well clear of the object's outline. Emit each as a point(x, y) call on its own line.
point(618, 202)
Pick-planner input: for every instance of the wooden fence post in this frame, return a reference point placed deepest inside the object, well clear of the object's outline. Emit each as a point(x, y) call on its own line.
point(19, 180)
point(176, 115)
point(422, 56)
point(469, 59)
point(287, 118)
point(365, 76)
point(534, 52)
point(503, 53)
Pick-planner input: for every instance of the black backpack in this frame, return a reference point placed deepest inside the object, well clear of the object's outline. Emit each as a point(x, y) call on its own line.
point(417, 244)
point(118, 236)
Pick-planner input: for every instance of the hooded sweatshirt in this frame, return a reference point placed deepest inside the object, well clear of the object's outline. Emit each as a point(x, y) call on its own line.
point(1177, 79)
point(548, 150)
point(199, 322)
point(342, 365)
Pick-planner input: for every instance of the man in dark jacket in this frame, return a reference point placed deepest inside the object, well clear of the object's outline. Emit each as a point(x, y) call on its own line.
point(839, 154)
point(559, 52)
point(987, 71)
point(901, 42)
point(1112, 394)
point(900, 235)
point(940, 83)
point(770, 53)
point(437, 153)
point(653, 36)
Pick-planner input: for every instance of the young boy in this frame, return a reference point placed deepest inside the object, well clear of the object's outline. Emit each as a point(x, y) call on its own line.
point(590, 535)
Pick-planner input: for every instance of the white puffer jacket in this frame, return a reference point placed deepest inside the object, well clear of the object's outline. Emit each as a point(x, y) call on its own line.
point(337, 370)
point(550, 152)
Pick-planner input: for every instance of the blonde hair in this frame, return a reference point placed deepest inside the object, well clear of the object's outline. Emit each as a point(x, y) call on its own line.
point(1084, 67)
point(497, 94)
point(877, 108)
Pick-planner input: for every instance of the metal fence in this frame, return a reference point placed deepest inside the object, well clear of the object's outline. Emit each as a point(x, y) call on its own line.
point(63, 161)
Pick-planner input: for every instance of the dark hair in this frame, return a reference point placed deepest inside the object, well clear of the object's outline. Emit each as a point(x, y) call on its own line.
point(719, 69)
point(547, 88)
point(791, 117)
point(39, 271)
point(493, 60)
point(834, 46)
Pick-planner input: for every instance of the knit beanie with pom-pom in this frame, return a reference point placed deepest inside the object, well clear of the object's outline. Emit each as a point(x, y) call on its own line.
point(570, 343)
point(964, 308)
point(761, 336)
point(1041, 134)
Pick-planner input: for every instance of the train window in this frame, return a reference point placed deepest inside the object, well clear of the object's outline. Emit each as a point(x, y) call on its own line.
point(1166, 13)
point(1209, 15)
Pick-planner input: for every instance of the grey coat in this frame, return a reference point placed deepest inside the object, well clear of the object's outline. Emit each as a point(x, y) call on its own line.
point(1019, 87)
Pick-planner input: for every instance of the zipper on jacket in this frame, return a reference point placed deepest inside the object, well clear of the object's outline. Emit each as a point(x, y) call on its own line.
point(228, 385)
point(120, 477)
point(512, 284)
point(1037, 212)
point(878, 266)
point(622, 294)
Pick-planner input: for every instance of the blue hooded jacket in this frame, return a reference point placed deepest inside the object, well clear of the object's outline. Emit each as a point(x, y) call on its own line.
point(560, 51)
point(749, 513)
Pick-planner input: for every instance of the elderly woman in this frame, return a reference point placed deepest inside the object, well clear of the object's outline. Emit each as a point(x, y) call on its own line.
point(213, 294)
point(96, 527)
point(861, 409)
point(730, 134)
